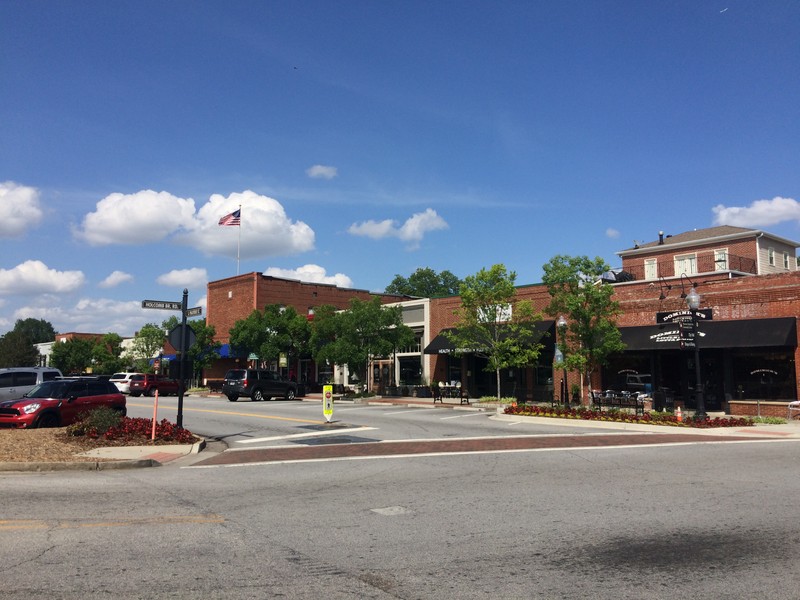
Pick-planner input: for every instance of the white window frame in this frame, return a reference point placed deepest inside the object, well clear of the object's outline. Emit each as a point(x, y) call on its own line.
point(650, 269)
point(786, 260)
point(771, 256)
point(685, 264)
point(721, 259)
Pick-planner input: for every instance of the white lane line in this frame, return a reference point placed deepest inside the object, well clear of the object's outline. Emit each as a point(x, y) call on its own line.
point(464, 416)
point(295, 436)
point(409, 411)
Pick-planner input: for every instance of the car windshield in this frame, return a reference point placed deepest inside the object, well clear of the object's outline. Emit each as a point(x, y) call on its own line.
point(49, 389)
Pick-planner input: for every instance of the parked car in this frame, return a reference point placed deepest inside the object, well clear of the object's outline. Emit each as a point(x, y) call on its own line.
point(147, 384)
point(60, 402)
point(123, 381)
point(257, 385)
point(17, 381)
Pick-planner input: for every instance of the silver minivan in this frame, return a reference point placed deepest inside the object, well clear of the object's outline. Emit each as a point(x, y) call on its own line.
point(16, 381)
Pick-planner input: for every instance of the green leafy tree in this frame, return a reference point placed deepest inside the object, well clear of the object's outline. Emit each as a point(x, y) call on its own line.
point(72, 356)
point(494, 323)
point(354, 337)
point(205, 349)
point(578, 292)
point(425, 283)
point(147, 343)
point(38, 331)
point(107, 354)
point(17, 350)
point(269, 333)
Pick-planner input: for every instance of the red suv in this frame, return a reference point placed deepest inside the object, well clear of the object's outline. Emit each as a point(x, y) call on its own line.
point(60, 402)
point(147, 384)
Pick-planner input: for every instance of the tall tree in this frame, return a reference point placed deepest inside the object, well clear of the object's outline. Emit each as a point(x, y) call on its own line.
point(106, 354)
point(365, 331)
point(72, 356)
point(147, 343)
point(205, 349)
point(425, 283)
point(38, 331)
point(492, 321)
point(272, 332)
point(578, 292)
point(17, 350)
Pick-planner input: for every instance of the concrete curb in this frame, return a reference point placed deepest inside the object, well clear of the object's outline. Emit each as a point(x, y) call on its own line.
point(123, 462)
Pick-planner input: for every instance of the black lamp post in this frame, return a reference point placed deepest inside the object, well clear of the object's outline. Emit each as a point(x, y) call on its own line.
point(693, 302)
point(562, 334)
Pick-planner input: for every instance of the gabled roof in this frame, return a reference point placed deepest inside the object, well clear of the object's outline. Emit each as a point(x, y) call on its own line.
point(708, 235)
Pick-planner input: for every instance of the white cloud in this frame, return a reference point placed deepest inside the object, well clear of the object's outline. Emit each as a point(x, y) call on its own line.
point(19, 209)
point(95, 315)
point(34, 277)
point(311, 274)
point(266, 230)
point(322, 172)
point(115, 279)
point(760, 213)
point(141, 218)
point(412, 231)
point(189, 278)
point(612, 233)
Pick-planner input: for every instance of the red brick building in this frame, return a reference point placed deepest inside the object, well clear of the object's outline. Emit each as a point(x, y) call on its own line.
point(234, 298)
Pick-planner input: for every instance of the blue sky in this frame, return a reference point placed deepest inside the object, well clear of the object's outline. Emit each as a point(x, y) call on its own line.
point(366, 139)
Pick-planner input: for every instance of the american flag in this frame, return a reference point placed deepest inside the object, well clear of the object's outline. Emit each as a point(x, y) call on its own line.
point(232, 220)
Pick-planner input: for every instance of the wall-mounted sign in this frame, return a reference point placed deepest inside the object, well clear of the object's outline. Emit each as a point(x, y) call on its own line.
point(677, 316)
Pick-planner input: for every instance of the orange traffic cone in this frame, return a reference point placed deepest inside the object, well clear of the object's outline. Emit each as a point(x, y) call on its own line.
point(678, 414)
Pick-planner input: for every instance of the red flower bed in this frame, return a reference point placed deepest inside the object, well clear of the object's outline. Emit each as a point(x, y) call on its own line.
point(136, 429)
point(588, 414)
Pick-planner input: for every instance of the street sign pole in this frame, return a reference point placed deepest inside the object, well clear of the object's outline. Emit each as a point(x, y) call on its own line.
point(184, 304)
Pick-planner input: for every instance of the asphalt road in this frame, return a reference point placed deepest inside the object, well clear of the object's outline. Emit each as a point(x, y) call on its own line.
point(695, 520)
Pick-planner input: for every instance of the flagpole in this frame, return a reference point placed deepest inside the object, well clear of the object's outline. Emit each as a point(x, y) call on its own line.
point(239, 241)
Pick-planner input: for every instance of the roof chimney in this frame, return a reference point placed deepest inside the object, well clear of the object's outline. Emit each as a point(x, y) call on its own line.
point(660, 238)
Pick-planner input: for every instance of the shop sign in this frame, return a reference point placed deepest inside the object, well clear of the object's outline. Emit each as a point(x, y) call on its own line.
point(678, 316)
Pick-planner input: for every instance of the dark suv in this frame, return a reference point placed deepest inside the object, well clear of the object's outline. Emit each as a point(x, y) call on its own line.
point(257, 385)
point(147, 384)
point(60, 402)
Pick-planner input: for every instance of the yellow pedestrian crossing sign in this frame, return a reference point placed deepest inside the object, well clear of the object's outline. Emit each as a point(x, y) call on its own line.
point(327, 402)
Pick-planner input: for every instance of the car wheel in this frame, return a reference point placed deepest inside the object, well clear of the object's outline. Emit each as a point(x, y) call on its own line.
point(258, 395)
point(48, 420)
point(233, 397)
point(152, 391)
point(136, 394)
point(290, 394)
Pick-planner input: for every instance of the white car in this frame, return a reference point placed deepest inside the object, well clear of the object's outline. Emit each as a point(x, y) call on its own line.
point(123, 381)
point(17, 381)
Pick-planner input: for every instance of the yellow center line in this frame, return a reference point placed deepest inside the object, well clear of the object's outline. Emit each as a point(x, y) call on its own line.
point(238, 414)
point(22, 524)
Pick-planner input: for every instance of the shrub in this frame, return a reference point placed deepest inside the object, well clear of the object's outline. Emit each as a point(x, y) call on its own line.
point(98, 420)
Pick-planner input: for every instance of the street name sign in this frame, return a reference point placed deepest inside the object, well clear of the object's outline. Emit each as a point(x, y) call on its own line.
point(162, 304)
point(194, 312)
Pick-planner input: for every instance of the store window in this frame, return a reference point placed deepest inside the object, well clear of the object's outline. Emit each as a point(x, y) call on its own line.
point(764, 375)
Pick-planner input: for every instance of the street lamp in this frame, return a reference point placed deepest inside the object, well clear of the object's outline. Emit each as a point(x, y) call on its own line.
point(562, 334)
point(693, 302)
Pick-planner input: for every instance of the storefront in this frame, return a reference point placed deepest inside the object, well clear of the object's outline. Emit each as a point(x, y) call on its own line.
point(468, 367)
point(743, 359)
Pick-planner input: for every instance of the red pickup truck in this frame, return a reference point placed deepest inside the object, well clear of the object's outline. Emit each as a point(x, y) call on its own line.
point(147, 384)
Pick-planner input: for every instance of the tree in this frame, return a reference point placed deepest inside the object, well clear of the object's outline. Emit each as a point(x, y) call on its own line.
point(492, 321)
point(205, 349)
point(354, 337)
point(268, 334)
point(38, 331)
point(425, 283)
point(17, 350)
point(72, 356)
point(578, 292)
point(147, 343)
point(106, 354)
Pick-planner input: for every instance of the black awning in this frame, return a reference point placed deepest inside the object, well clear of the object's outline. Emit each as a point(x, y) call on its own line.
point(441, 344)
point(749, 333)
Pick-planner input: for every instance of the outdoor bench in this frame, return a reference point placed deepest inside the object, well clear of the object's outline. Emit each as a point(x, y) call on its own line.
point(612, 400)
